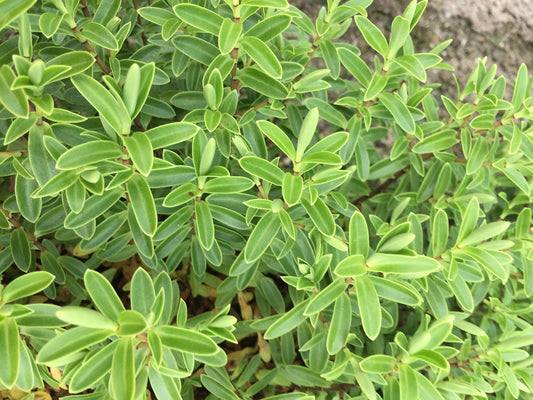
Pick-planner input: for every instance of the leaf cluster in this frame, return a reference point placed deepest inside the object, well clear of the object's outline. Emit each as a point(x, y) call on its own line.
point(194, 204)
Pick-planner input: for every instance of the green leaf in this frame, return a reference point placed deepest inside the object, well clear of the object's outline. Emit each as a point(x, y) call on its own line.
point(19, 127)
point(262, 55)
point(477, 156)
point(13, 100)
point(262, 169)
point(262, 83)
point(99, 35)
point(140, 150)
point(20, 249)
point(92, 208)
point(369, 306)
point(487, 261)
point(469, 220)
point(321, 216)
point(143, 204)
point(199, 17)
point(355, 66)
point(132, 84)
point(196, 48)
point(130, 323)
point(408, 382)
point(331, 58)
point(340, 325)
point(113, 111)
point(372, 35)
point(77, 61)
point(426, 389)
point(281, 4)
point(521, 87)
point(394, 103)
point(400, 29)
point(434, 336)
point(292, 188)
point(378, 364)
point(169, 134)
point(217, 388)
point(262, 236)
point(402, 265)
point(436, 142)
point(397, 291)
point(204, 225)
point(351, 266)
point(180, 195)
point(358, 235)
point(9, 10)
point(515, 177)
point(72, 341)
point(26, 285)
point(485, 232)
point(433, 358)
point(375, 86)
point(93, 369)
point(29, 207)
point(327, 111)
point(287, 321)
point(325, 297)
point(229, 34)
point(186, 340)
point(228, 184)
point(270, 27)
point(103, 295)
point(147, 76)
point(307, 132)
point(278, 137)
point(86, 317)
point(9, 350)
point(88, 153)
point(413, 66)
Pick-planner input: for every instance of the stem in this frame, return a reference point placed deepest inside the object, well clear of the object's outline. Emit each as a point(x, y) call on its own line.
point(18, 225)
point(103, 66)
point(140, 22)
point(84, 9)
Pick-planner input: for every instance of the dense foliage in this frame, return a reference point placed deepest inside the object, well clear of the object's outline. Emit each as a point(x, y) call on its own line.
point(196, 203)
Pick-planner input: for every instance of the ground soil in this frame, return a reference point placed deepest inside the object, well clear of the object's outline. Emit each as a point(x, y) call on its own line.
point(501, 30)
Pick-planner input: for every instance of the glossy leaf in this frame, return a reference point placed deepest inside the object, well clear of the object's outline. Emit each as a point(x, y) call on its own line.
point(262, 83)
point(369, 306)
point(70, 342)
point(143, 204)
point(262, 236)
point(9, 352)
point(103, 295)
point(262, 56)
point(26, 285)
point(199, 17)
point(186, 340)
point(113, 111)
point(88, 153)
point(140, 150)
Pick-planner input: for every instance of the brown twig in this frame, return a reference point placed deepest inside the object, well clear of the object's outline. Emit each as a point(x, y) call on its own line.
point(18, 225)
point(103, 66)
point(140, 22)
point(84, 9)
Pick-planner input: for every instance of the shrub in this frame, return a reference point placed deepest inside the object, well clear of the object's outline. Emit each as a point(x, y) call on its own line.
point(198, 190)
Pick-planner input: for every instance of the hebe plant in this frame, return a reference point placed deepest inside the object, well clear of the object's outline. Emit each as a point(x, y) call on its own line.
point(197, 189)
